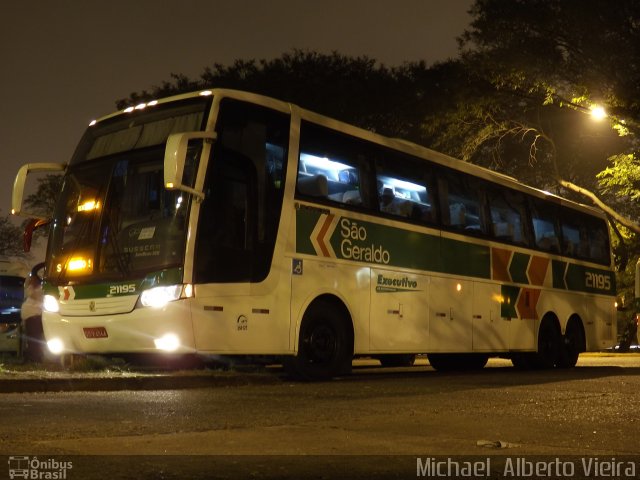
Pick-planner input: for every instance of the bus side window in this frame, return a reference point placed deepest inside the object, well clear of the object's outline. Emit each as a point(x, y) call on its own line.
point(545, 227)
point(404, 188)
point(462, 202)
point(599, 242)
point(507, 210)
point(331, 166)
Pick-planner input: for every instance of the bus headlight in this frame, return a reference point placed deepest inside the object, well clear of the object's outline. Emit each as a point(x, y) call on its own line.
point(158, 297)
point(50, 304)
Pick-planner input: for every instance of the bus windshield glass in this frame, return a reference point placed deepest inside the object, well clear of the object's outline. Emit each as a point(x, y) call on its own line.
point(114, 219)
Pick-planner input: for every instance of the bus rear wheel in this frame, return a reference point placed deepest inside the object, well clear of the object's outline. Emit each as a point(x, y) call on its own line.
point(325, 348)
point(549, 339)
point(571, 346)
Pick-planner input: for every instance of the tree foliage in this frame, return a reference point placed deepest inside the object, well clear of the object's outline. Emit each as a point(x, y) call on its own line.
point(571, 54)
point(10, 239)
point(357, 90)
point(564, 53)
point(43, 200)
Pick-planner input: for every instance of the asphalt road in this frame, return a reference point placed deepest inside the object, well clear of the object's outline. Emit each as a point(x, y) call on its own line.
point(375, 423)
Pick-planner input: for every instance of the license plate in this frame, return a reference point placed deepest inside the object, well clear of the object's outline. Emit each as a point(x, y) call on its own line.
point(95, 332)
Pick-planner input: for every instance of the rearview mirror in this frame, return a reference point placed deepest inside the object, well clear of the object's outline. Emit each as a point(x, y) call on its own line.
point(175, 157)
point(20, 181)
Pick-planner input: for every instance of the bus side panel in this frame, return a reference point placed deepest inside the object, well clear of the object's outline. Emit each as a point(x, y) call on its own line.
point(350, 283)
point(450, 315)
point(244, 318)
point(490, 328)
point(399, 312)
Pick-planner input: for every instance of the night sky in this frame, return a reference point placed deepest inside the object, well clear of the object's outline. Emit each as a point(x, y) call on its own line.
point(66, 62)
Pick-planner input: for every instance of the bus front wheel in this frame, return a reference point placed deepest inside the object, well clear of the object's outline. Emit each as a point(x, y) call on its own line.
point(325, 348)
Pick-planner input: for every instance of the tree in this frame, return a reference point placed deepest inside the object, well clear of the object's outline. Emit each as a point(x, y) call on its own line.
point(10, 239)
point(357, 90)
point(44, 199)
point(566, 53)
point(539, 55)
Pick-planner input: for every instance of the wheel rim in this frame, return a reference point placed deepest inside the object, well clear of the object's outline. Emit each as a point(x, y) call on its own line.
point(322, 344)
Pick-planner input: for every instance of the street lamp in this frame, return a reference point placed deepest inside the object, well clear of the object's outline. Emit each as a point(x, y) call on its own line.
point(597, 112)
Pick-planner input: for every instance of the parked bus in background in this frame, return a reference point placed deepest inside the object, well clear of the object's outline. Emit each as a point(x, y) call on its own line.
point(224, 222)
point(12, 275)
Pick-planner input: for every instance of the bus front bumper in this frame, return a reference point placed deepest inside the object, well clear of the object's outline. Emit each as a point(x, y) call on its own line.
point(144, 330)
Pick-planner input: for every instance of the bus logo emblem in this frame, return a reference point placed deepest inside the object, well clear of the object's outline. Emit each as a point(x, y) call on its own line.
point(92, 306)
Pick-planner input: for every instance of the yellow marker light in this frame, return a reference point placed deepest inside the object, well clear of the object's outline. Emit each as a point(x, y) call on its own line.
point(206, 93)
point(88, 206)
point(152, 103)
point(77, 264)
point(169, 185)
point(92, 123)
point(458, 287)
point(128, 110)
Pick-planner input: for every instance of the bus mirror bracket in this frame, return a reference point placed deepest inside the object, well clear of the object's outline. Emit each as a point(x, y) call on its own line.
point(31, 226)
point(20, 181)
point(174, 159)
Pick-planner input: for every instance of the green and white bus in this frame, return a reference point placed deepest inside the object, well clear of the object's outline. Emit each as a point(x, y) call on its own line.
point(227, 223)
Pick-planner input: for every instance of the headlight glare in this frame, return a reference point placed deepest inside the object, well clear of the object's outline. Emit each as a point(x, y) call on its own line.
point(50, 304)
point(158, 297)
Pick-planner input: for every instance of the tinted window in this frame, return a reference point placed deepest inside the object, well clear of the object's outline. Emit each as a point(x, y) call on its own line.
point(507, 215)
point(461, 197)
point(545, 226)
point(244, 185)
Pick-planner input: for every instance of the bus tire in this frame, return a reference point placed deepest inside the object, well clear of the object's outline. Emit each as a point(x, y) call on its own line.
point(325, 347)
point(397, 360)
point(572, 344)
point(549, 343)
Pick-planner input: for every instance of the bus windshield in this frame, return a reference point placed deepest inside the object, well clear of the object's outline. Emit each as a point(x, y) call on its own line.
point(114, 219)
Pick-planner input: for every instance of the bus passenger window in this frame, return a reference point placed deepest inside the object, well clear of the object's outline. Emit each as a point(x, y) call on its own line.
point(403, 188)
point(507, 210)
point(545, 228)
point(330, 165)
point(462, 204)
